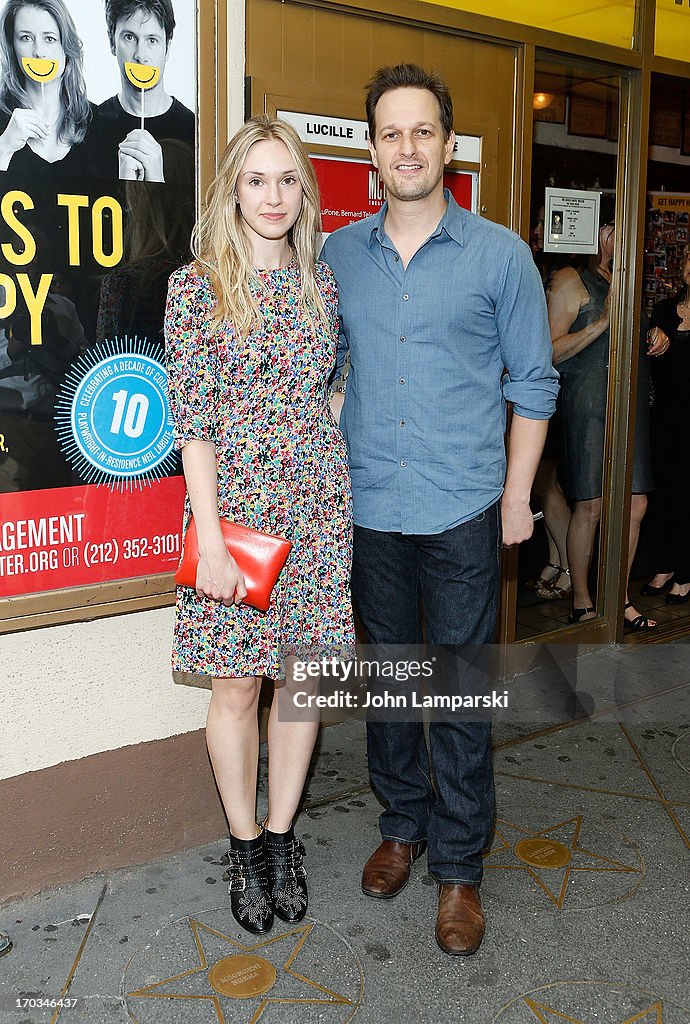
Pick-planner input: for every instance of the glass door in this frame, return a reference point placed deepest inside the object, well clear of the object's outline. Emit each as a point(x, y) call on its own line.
point(573, 238)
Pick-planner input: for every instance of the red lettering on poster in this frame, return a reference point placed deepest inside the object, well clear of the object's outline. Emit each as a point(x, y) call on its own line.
point(72, 536)
point(352, 190)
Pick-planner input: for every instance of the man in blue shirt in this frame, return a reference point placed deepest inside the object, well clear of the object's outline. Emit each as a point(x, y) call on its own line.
point(435, 304)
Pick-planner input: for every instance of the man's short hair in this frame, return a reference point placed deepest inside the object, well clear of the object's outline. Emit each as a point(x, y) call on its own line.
point(408, 76)
point(117, 9)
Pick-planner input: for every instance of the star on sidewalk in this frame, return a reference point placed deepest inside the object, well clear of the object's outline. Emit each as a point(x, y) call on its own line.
point(547, 1015)
point(248, 976)
point(549, 856)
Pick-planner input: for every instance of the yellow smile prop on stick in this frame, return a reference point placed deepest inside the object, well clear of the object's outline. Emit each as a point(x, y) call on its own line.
point(39, 69)
point(142, 76)
point(42, 70)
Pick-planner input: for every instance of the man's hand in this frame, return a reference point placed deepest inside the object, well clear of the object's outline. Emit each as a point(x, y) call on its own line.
point(517, 521)
point(129, 169)
point(141, 147)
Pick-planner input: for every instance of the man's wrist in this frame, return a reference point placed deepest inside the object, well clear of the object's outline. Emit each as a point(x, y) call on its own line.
point(515, 498)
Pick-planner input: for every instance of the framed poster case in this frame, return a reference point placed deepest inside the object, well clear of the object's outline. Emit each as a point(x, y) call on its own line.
point(93, 222)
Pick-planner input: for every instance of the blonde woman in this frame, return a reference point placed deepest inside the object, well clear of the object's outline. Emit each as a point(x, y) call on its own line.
point(251, 335)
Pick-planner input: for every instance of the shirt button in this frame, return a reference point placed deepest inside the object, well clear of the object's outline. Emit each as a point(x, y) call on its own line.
point(403, 338)
point(396, 258)
point(402, 423)
point(405, 297)
point(402, 380)
point(403, 463)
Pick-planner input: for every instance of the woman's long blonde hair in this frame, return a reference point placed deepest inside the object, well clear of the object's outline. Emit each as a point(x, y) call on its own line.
point(222, 247)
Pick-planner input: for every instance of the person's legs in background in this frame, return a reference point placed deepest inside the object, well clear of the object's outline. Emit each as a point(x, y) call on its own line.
point(634, 618)
point(553, 582)
point(581, 534)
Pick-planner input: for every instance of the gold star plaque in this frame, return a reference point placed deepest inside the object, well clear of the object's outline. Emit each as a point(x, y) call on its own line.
point(591, 1002)
point(553, 857)
point(247, 978)
point(547, 1015)
point(241, 977)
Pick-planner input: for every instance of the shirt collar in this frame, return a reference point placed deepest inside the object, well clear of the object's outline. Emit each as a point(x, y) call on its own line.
point(451, 221)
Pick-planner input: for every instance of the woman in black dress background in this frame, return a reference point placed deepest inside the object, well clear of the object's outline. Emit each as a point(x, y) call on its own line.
point(670, 537)
point(580, 327)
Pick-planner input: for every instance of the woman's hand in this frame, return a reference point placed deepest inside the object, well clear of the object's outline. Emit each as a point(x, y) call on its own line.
point(219, 578)
point(22, 126)
point(657, 341)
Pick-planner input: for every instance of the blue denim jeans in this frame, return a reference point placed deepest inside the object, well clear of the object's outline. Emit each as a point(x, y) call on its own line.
point(456, 576)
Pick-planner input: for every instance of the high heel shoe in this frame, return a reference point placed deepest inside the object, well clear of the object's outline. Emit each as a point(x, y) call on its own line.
point(547, 589)
point(287, 876)
point(578, 614)
point(550, 591)
point(640, 624)
point(649, 591)
point(678, 598)
point(250, 899)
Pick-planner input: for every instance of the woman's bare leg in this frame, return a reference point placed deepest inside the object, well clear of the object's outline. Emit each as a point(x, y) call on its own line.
point(546, 490)
point(556, 517)
point(638, 507)
point(581, 533)
point(292, 734)
point(232, 738)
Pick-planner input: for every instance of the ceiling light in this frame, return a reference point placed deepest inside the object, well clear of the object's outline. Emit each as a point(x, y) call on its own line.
point(542, 100)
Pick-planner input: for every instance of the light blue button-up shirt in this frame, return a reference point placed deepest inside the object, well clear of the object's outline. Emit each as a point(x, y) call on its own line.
point(436, 349)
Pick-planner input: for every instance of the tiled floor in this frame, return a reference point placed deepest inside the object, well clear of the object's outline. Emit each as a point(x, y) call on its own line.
point(536, 617)
point(586, 893)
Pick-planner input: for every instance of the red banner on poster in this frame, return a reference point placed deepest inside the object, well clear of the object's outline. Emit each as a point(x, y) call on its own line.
point(72, 536)
point(351, 189)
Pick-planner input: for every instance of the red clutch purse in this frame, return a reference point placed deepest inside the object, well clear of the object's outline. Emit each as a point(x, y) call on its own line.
point(259, 556)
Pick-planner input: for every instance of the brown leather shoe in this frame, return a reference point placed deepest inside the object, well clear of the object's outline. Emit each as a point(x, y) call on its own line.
point(387, 871)
point(460, 921)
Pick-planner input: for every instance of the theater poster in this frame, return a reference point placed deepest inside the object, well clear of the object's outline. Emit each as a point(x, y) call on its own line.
point(98, 170)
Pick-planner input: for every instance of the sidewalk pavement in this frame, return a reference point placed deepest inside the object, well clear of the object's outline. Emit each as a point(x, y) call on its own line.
point(586, 894)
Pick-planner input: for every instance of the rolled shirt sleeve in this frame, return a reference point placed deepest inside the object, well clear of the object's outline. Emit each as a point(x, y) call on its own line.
point(191, 358)
point(530, 381)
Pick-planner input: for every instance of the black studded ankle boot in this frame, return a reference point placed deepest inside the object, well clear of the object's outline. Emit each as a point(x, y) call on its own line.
point(249, 890)
point(286, 875)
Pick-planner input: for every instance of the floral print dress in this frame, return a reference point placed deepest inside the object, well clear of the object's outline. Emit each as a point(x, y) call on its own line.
point(282, 468)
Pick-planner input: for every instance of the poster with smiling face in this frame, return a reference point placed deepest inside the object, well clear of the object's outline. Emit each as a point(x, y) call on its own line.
point(98, 126)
